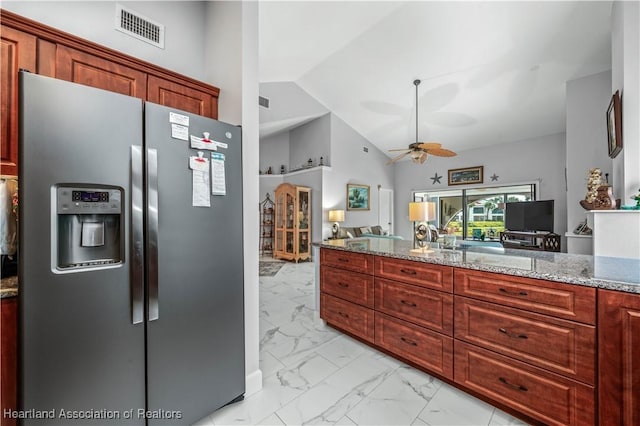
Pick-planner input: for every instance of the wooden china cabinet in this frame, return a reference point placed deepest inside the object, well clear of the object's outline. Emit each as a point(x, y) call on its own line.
point(293, 222)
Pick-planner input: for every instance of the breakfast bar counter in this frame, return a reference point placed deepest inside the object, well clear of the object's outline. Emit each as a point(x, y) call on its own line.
point(611, 273)
point(549, 337)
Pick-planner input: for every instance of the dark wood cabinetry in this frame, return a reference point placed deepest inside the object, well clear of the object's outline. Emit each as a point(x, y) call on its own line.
point(549, 352)
point(619, 358)
point(18, 52)
point(8, 357)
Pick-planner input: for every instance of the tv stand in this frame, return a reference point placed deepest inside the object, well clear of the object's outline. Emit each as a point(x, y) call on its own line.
point(544, 241)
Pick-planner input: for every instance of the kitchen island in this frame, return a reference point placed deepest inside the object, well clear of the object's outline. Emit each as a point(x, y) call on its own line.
point(550, 337)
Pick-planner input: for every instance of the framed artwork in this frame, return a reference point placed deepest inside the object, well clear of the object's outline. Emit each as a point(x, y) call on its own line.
point(357, 197)
point(466, 176)
point(614, 125)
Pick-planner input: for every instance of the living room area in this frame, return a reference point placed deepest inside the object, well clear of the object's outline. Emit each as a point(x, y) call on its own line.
point(530, 112)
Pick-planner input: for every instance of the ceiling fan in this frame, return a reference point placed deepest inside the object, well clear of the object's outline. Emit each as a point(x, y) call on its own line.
point(420, 150)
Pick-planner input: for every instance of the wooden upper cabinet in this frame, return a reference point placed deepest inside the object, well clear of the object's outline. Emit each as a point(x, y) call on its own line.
point(173, 95)
point(84, 68)
point(18, 51)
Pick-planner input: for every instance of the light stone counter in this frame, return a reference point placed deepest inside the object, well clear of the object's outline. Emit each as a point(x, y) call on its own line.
point(610, 273)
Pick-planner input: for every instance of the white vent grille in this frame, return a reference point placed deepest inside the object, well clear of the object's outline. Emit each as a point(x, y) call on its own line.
point(138, 26)
point(262, 101)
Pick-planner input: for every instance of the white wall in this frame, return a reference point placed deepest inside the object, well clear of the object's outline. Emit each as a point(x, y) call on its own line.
point(274, 152)
point(310, 141)
point(625, 65)
point(540, 159)
point(587, 99)
point(350, 164)
point(288, 100)
point(95, 20)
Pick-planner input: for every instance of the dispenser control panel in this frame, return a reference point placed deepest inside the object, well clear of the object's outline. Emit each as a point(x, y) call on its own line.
point(88, 201)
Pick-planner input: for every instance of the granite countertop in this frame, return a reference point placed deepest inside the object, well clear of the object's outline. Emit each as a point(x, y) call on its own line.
point(9, 287)
point(611, 273)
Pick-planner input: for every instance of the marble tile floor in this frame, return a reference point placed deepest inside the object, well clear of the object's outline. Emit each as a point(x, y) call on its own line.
point(313, 374)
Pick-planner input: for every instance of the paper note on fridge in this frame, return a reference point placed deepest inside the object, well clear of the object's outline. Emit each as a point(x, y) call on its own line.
point(200, 180)
point(203, 143)
point(179, 132)
point(219, 186)
point(179, 119)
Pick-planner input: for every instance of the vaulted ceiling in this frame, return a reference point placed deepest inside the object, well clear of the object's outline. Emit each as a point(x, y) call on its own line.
point(491, 72)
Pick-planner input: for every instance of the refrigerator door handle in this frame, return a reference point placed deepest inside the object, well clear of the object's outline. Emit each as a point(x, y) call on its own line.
point(152, 242)
point(137, 236)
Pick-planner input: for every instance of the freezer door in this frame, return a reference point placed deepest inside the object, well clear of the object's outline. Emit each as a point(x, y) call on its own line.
point(81, 355)
point(195, 329)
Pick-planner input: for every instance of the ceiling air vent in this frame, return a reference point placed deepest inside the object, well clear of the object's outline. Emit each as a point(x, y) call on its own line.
point(138, 26)
point(263, 101)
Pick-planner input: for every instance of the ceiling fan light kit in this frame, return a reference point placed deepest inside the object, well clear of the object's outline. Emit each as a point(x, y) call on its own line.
point(419, 151)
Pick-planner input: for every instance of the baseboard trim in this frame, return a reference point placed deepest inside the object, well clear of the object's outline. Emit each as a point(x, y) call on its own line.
point(253, 382)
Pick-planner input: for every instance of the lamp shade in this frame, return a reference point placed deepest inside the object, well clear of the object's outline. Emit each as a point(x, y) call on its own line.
point(422, 211)
point(336, 215)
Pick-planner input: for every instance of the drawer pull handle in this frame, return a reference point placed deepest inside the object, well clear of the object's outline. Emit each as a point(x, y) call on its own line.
point(342, 314)
point(513, 293)
point(404, 302)
point(511, 385)
point(343, 285)
point(408, 341)
point(343, 259)
point(408, 271)
point(513, 336)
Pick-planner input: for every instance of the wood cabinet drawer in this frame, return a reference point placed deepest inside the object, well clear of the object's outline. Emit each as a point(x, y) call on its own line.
point(437, 277)
point(348, 316)
point(553, 399)
point(567, 301)
point(562, 346)
point(424, 307)
point(357, 262)
point(426, 348)
point(348, 285)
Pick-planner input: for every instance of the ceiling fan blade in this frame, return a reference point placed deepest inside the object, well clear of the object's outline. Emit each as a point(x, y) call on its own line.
point(429, 145)
point(394, 159)
point(441, 152)
point(400, 149)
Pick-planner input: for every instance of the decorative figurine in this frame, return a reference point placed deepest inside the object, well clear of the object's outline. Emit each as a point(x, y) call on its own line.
point(637, 198)
point(604, 199)
point(321, 161)
point(310, 163)
point(282, 170)
point(594, 181)
point(269, 171)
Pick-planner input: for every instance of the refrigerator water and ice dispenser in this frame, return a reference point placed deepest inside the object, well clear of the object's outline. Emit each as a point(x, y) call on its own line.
point(88, 227)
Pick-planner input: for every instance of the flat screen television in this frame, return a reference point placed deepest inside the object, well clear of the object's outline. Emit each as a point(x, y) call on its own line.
point(529, 216)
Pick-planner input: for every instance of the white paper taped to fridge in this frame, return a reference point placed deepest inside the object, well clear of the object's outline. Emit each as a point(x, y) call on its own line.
point(200, 178)
point(203, 143)
point(179, 132)
point(183, 120)
point(219, 186)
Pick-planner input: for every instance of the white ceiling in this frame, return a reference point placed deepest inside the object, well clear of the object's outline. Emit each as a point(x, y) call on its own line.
point(492, 72)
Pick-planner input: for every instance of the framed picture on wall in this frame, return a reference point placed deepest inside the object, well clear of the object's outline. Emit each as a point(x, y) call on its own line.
point(614, 125)
point(466, 176)
point(357, 197)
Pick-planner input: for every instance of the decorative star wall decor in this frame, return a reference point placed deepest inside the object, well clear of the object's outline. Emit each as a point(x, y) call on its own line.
point(436, 179)
point(494, 177)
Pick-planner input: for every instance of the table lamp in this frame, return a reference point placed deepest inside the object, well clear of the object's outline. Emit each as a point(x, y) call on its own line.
point(422, 212)
point(336, 216)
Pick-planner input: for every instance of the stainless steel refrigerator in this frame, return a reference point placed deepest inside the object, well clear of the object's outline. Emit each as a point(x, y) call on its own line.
point(131, 298)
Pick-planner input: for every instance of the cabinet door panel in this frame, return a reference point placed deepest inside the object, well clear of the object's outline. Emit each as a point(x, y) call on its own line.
point(550, 398)
point(357, 262)
point(432, 351)
point(351, 286)
point(560, 300)
point(437, 277)
point(83, 68)
point(347, 316)
point(619, 357)
point(427, 308)
point(566, 347)
point(175, 95)
point(18, 51)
